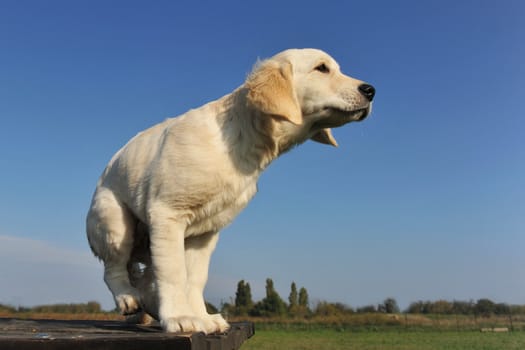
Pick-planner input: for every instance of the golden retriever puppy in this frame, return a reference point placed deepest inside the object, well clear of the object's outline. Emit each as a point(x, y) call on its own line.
point(160, 203)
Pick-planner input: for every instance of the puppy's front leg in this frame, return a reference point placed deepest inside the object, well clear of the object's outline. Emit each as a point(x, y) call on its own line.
point(198, 254)
point(168, 260)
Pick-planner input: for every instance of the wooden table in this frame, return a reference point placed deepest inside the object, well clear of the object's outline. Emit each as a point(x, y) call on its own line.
point(19, 334)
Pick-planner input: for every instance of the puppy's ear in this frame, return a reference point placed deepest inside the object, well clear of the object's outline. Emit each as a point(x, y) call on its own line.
point(270, 90)
point(325, 136)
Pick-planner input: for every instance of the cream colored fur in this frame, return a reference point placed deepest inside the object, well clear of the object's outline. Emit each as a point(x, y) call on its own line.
point(160, 203)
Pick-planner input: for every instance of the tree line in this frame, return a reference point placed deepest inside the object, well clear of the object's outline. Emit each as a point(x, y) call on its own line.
point(298, 305)
point(481, 307)
point(270, 306)
point(91, 307)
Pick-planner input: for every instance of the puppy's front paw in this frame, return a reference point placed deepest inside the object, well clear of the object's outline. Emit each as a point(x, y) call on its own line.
point(219, 323)
point(183, 324)
point(128, 303)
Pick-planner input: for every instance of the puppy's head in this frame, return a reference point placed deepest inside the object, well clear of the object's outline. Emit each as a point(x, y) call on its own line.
point(306, 88)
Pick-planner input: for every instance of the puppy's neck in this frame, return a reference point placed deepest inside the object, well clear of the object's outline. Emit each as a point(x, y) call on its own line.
point(254, 139)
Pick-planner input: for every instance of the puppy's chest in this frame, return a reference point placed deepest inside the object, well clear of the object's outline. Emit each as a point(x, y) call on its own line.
point(222, 208)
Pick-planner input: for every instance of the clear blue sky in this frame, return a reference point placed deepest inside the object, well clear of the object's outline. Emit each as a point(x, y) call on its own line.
point(423, 200)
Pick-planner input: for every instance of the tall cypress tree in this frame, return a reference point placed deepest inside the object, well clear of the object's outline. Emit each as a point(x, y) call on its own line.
point(243, 298)
point(272, 304)
point(293, 300)
point(303, 301)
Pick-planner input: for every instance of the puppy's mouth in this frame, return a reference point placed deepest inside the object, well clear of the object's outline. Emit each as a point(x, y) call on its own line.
point(338, 117)
point(360, 114)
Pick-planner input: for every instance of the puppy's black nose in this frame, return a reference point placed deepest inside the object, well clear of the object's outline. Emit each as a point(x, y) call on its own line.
point(368, 91)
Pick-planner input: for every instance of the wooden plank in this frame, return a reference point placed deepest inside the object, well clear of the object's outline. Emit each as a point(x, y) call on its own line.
point(18, 334)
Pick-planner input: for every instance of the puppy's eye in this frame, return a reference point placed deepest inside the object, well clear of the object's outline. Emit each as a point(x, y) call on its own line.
point(322, 68)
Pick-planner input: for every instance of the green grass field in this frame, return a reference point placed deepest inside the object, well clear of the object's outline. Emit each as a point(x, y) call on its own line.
point(391, 340)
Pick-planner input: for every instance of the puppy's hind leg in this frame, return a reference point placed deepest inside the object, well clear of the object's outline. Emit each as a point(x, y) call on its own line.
point(110, 230)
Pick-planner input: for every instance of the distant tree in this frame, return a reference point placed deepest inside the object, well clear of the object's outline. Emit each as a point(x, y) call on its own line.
point(485, 307)
point(23, 309)
point(442, 307)
point(366, 309)
point(303, 303)
point(228, 309)
point(517, 309)
point(462, 307)
point(303, 298)
point(325, 308)
point(415, 307)
point(7, 309)
point(275, 304)
point(93, 307)
point(243, 298)
point(293, 300)
point(389, 306)
point(502, 309)
point(271, 305)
